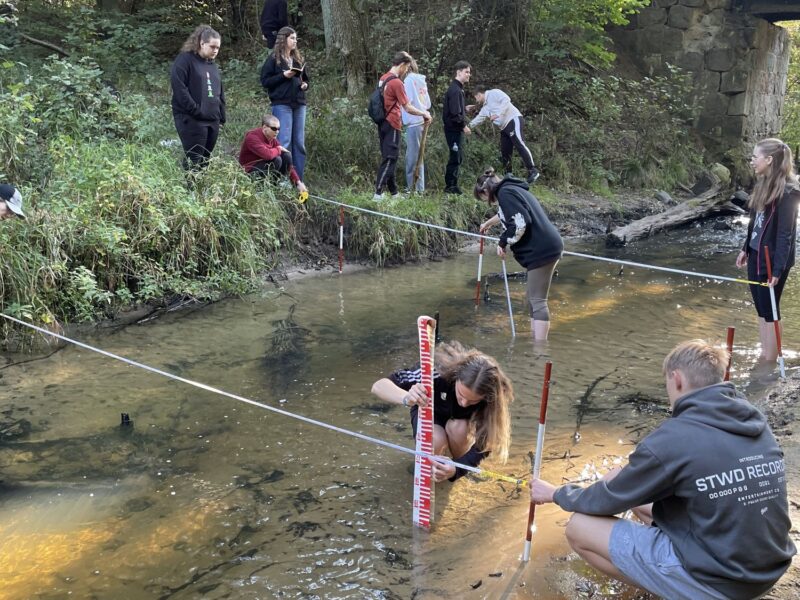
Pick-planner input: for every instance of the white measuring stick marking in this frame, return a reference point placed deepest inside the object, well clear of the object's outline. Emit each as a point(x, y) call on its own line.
point(508, 297)
point(423, 468)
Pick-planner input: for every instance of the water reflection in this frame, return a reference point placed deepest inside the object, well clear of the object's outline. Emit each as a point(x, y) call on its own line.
point(210, 497)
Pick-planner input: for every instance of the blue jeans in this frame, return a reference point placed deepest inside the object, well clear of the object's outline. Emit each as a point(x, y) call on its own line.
point(292, 135)
point(413, 141)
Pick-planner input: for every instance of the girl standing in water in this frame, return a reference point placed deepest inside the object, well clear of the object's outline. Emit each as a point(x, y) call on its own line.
point(533, 239)
point(773, 223)
point(470, 410)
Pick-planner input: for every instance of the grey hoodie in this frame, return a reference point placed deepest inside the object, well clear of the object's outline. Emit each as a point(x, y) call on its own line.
point(716, 477)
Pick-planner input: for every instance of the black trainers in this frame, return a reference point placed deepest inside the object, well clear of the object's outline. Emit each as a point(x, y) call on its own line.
point(453, 190)
point(533, 175)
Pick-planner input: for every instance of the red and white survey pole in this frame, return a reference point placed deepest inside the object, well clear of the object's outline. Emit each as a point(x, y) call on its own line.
point(537, 461)
point(731, 332)
point(341, 238)
point(775, 321)
point(480, 269)
point(423, 468)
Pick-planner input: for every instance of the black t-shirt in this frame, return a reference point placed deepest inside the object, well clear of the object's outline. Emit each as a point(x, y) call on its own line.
point(445, 407)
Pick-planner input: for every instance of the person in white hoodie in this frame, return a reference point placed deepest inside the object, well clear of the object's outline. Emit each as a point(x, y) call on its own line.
point(417, 92)
point(497, 107)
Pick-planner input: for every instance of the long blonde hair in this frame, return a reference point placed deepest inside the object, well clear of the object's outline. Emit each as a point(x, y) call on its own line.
point(770, 187)
point(280, 47)
point(490, 424)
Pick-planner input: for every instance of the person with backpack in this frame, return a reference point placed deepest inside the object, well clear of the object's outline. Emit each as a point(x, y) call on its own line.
point(385, 107)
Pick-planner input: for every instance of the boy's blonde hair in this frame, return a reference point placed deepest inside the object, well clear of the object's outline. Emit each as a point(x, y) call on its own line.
point(701, 362)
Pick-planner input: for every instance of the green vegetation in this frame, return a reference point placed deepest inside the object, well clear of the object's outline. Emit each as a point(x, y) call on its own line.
point(90, 141)
point(791, 109)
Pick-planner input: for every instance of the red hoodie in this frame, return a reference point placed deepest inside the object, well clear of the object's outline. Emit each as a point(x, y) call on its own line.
point(256, 147)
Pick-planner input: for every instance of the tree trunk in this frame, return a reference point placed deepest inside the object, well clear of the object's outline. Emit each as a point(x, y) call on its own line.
point(345, 35)
point(705, 205)
point(108, 5)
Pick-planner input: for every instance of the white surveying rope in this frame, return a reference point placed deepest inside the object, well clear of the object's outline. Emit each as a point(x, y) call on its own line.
point(285, 413)
point(566, 252)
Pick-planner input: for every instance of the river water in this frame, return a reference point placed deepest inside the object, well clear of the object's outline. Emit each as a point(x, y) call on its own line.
point(209, 496)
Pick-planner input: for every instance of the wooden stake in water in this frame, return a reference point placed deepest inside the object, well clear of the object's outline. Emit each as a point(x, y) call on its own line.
point(480, 269)
point(731, 332)
point(537, 461)
point(775, 320)
point(508, 297)
point(423, 469)
point(341, 238)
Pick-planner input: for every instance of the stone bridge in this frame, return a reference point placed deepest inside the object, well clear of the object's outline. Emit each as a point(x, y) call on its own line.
point(738, 59)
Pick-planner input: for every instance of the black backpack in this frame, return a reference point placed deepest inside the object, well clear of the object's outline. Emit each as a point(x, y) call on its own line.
point(375, 107)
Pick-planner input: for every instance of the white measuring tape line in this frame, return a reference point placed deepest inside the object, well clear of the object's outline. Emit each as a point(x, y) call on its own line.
point(285, 413)
point(566, 252)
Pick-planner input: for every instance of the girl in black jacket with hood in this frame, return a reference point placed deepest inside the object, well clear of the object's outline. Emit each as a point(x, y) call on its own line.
point(285, 78)
point(198, 99)
point(533, 239)
point(773, 223)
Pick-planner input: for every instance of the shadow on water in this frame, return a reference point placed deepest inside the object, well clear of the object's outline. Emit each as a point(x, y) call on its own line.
point(209, 497)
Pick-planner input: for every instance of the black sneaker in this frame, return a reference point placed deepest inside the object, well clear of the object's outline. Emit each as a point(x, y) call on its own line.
point(453, 190)
point(533, 175)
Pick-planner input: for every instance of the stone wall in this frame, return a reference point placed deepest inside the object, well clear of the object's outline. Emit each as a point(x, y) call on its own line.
point(739, 64)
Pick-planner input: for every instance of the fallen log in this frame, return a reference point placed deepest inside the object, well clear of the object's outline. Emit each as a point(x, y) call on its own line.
point(707, 204)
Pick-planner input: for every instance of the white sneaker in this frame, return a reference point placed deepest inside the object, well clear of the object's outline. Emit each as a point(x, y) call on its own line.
point(378, 197)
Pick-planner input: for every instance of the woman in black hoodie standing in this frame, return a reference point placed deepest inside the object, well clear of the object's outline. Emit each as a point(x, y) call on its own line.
point(285, 78)
point(773, 223)
point(533, 239)
point(198, 99)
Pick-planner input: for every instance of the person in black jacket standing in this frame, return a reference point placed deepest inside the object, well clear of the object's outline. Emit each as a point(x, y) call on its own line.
point(773, 223)
point(198, 98)
point(455, 125)
point(533, 239)
point(274, 17)
point(285, 78)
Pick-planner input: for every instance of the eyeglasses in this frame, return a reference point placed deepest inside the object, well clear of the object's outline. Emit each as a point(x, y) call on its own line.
point(274, 128)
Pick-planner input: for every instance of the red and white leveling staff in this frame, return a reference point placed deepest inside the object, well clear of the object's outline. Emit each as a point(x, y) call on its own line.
point(480, 269)
point(537, 461)
point(775, 321)
point(341, 238)
point(731, 332)
point(423, 468)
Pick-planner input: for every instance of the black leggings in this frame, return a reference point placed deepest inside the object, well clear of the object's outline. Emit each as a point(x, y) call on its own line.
point(198, 141)
point(281, 164)
point(760, 293)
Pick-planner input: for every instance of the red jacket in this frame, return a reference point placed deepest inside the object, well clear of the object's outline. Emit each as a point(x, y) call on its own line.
point(256, 147)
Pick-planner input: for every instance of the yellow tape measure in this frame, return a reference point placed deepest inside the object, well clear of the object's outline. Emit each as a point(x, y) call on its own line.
point(302, 197)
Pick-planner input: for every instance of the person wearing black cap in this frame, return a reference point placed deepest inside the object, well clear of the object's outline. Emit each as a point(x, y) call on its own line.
point(10, 202)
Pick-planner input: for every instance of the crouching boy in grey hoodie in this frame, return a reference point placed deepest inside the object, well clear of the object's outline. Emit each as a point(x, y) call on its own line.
point(709, 486)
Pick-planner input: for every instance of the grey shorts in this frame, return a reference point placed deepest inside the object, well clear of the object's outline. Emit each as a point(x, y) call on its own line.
point(646, 557)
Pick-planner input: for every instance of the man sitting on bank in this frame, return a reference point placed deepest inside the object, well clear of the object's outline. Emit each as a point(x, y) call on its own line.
point(718, 523)
point(261, 154)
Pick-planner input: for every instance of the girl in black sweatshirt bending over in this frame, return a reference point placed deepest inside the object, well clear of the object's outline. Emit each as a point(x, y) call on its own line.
point(198, 100)
point(533, 239)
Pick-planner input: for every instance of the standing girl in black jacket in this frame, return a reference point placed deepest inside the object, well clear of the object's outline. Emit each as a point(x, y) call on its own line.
point(285, 78)
point(773, 223)
point(533, 239)
point(198, 99)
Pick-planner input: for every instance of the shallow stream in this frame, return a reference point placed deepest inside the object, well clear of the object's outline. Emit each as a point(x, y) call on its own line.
point(206, 496)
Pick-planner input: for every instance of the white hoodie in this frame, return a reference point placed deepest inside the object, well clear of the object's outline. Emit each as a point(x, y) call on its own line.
point(497, 107)
point(417, 92)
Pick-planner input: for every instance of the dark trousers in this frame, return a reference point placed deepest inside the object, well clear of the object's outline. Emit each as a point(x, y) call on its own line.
point(510, 138)
point(455, 144)
point(761, 296)
point(280, 165)
point(198, 141)
point(390, 150)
